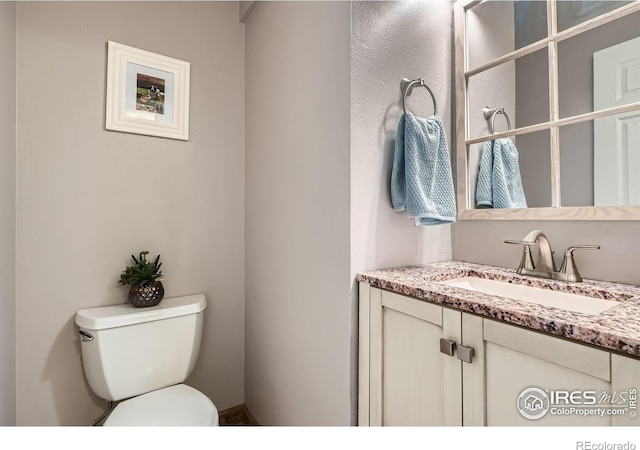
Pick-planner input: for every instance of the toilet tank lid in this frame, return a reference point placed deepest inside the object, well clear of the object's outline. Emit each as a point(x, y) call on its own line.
point(124, 314)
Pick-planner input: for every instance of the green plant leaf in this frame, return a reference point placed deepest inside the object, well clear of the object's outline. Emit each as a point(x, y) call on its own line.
point(142, 272)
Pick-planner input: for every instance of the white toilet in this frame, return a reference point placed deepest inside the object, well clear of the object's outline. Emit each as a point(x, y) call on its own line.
point(142, 356)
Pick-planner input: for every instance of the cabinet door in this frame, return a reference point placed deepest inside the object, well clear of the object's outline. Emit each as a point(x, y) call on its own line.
point(411, 381)
point(625, 378)
point(511, 363)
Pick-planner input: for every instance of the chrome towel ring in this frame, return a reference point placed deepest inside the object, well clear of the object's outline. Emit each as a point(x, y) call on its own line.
point(490, 116)
point(408, 86)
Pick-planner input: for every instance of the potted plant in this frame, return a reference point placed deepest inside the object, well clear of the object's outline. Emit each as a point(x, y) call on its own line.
point(144, 278)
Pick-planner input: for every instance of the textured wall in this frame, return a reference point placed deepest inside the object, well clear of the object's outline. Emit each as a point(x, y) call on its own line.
point(7, 212)
point(298, 311)
point(391, 41)
point(88, 198)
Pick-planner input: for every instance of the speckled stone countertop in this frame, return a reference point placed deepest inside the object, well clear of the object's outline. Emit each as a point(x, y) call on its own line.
point(617, 328)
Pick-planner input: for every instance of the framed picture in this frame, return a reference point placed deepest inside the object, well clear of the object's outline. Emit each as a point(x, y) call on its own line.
point(147, 93)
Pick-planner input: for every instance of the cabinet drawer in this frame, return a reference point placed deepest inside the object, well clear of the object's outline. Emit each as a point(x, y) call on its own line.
point(578, 357)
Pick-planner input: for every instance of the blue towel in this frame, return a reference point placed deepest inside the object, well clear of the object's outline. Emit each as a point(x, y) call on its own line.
point(499, 182)
point(421, 178)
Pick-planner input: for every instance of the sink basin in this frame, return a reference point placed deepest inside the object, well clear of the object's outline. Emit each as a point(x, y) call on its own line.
point(546, 297)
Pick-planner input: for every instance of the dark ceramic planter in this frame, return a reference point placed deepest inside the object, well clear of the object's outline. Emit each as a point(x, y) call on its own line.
point(148, 295)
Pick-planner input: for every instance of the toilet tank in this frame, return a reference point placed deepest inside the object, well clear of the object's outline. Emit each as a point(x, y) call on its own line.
point(128, 351)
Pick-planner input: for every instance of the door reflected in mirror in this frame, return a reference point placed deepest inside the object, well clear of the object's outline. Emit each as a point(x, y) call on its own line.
point(576, 65)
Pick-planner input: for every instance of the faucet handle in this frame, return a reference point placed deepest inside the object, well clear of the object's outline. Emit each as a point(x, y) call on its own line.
point(568, 270)
point(513, 241)
point(527, 261)
point(582, 247)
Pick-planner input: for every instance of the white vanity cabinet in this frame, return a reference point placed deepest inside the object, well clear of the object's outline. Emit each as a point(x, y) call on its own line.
point(405, 379)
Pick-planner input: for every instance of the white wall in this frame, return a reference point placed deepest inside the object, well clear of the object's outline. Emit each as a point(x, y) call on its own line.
point(298, 309)
point(7, 213)
point(88, 198)
point(391, 41)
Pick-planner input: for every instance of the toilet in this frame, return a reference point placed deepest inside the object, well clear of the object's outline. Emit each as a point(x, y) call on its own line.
point(140, 357)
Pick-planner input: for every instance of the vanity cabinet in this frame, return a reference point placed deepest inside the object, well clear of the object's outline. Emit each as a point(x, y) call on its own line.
point(405, 379)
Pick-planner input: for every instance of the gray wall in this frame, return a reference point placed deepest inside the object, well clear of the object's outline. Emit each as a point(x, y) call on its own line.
point(7, 213)
point(618, 259)
point(532, 106)
point(298, 308)
point(88, 198)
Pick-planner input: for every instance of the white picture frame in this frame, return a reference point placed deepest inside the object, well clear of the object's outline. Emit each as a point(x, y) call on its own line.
point(147, 93)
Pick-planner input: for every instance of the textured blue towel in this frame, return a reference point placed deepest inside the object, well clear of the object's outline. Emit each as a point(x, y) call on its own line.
point(421, 178)
point(499, 182)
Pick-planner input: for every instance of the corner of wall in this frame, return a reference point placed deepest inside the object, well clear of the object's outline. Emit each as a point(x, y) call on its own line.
point(8, 150)
point(245, 8)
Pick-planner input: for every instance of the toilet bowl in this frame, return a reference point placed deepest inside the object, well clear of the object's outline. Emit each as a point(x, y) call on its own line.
point(178, 405)
point(140, 357)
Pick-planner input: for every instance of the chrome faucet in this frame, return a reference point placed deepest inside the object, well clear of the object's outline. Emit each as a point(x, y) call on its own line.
point(545, 266)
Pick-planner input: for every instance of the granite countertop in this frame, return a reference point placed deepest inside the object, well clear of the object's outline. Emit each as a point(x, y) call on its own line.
point(616, 329)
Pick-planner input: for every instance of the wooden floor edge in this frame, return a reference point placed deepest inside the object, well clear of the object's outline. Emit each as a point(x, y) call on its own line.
point(252, 419)
point(237, 415)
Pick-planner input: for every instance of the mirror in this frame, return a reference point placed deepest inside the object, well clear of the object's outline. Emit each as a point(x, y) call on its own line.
point(566, 75)
point(534, 155)
point(580, 57)
point(520, 86)
point(492, 32)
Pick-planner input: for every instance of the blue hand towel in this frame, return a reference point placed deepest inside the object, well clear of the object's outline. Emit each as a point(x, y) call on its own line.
point(499, 182)
point(421, 178)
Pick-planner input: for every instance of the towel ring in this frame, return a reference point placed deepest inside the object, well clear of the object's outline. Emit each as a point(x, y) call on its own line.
point(490, 115)
point(410, 86)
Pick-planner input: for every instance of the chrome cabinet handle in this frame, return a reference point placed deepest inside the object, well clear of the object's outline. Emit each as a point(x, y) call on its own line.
point(447, 346)
point(466, 354)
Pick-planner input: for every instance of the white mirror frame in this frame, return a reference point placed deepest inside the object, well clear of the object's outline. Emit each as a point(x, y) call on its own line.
point(465, 198)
